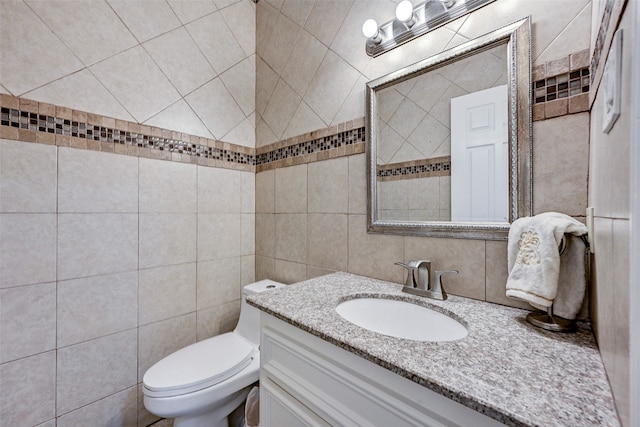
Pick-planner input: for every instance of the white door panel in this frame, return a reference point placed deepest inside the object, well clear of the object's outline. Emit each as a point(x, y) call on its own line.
point(480, 156)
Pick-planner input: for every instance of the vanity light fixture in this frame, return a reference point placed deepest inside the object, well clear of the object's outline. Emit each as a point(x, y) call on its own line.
point(414, 21)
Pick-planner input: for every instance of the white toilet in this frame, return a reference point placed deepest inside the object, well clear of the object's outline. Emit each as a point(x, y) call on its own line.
point(201, 384)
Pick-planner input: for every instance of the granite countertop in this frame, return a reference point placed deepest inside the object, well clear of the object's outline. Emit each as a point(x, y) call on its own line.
point(505, 368)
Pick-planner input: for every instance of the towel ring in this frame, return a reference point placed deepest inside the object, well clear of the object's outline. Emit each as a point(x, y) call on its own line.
point(547, 320)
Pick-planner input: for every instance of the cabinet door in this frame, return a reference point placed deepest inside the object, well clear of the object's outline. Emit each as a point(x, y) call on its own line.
point(278, 408)
point(333, 391)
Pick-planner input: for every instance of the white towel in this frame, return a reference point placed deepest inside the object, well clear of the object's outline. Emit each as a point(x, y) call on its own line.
point(534, 263)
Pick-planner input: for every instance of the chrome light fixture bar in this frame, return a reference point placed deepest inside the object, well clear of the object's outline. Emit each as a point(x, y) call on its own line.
point(426, 16)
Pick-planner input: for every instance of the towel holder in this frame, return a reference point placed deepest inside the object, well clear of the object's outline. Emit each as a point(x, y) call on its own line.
point(547, 320)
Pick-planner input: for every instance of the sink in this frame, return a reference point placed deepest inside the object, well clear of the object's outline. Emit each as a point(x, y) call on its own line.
point(401, 319)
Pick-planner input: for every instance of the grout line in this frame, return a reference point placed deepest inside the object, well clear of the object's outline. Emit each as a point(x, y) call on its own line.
point(57, 234)
point(138, 293)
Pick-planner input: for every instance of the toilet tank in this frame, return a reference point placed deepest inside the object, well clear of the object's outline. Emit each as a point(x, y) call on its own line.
point(249, 323)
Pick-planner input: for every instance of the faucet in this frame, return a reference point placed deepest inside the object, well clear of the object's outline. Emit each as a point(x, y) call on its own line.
point(420, 280)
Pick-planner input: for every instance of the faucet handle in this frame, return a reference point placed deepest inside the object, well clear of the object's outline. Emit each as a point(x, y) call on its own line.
point(410, 282)
point(437, 285)
point(440, 273)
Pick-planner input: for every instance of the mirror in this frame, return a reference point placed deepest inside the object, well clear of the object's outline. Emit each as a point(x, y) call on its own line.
point(449, 142)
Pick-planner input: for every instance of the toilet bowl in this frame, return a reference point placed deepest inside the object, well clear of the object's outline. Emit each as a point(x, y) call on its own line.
point(201, 384)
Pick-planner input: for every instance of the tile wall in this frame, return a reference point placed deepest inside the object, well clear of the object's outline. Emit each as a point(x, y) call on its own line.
point(128, 60)
point(311, 218)
point(169, 239)
point(126, 225)
point(110, 262)
point(610, 195)
point(297, 90)
point(415, 199)
point(417, 190)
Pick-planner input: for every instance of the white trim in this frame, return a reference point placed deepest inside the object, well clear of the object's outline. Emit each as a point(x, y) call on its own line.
point(634, 273)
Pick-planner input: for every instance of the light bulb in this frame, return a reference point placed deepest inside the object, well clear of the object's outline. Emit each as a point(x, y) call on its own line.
point(370, 28)
point(404, 11)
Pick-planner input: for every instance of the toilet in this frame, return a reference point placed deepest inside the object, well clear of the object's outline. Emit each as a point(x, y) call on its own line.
point(201, 384)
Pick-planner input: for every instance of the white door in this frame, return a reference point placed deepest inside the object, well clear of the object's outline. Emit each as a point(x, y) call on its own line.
point(480, 156)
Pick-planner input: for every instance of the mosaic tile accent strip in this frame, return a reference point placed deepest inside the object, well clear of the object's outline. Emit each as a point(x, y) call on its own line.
point(83, 130)
point(425, 168)
point(561, 86)
point(600, 39)
point(336, 141)
point(345, 138)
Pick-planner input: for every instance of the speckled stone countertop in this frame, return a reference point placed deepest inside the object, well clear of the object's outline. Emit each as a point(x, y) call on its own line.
point(505, 368)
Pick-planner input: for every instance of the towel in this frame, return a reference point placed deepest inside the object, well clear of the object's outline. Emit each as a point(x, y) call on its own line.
point(534, 263)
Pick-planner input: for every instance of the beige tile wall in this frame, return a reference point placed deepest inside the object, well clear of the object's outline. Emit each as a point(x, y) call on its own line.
point(32, 381)
point(327, 46)
point(609, 194)
point(109, 263)
point(316, 44)
point(184, 66)
point(307, 213)
point(307, 232)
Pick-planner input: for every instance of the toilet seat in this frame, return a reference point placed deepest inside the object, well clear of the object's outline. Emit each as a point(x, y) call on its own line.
point(199, 366)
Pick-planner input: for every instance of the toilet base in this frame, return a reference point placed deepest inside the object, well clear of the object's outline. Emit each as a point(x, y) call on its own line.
point(199, 421)
point(218, 417)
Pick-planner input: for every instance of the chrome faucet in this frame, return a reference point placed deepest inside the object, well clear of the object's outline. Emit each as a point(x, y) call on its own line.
point(420, 280)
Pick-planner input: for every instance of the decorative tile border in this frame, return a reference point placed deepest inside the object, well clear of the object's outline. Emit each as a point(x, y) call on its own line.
point(81, 130)
point(561, 86)
point(32, 121)
point(341, 140)
point(610, 17)
point(424, 168)
point(601, 38)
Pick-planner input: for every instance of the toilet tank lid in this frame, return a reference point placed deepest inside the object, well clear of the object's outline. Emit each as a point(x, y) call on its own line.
point(261, 286)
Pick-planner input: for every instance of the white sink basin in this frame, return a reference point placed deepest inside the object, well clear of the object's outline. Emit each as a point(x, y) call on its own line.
point(401, 319)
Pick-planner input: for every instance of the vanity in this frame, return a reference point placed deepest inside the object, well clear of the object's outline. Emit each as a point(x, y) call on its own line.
point(318, 369)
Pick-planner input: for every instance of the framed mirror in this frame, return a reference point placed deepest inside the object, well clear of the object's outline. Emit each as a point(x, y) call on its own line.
point(449, 140)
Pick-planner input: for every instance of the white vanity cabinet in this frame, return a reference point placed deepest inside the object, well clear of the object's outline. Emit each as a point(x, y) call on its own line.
point(306, 381)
